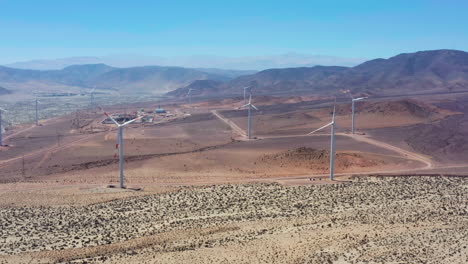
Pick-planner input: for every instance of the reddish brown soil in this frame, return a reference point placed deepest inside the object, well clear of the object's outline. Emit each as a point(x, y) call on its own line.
point(446, 140)
point(199, 148)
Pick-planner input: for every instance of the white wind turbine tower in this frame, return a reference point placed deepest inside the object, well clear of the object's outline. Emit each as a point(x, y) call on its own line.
point(1, 129)
point(249, 121)
point(37, 112)
point(245, 93)
point(353, 100)
point(120, 145)
point(92, 97)
point(332, 143)
point(189, 93)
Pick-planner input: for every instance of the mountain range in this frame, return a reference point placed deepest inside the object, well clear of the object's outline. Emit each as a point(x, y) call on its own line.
point(146, 79)
point(409, 73)
point(424, 71)
point(255, 63)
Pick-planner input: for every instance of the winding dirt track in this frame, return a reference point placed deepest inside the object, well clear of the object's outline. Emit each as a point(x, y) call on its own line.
point(53, 149)
point(230, 123)
point(18, 132)
point(404, 153)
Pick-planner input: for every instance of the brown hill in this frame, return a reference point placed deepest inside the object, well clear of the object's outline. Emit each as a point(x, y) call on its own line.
point(406, 107)
point(409, 73)
point(200, 87)
point(289, 80)
point(319, 159)
point(273, 81)
point(148, 79)
point(424, 71)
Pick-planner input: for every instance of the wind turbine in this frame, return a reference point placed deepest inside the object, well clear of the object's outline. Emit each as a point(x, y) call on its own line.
point(92, 97)
point(1, 110)
point(189, 93)
point(249, 122)
point(332, 143)
point(37, 112)
point(120, 144)
point(353, 100)
point(245, 92)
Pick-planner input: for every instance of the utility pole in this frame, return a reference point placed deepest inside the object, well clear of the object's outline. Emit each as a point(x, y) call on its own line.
point(332, 148)
point(77, 119)
point(58, 137)
point(37, 116)
point(1, 132)
point(1, 123)
point(23, 171)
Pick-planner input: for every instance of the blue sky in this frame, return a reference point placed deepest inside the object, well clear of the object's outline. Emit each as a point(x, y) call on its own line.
point(55, 29)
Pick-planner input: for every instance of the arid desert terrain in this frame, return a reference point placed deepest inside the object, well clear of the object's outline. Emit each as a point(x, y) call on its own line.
point(199, 191)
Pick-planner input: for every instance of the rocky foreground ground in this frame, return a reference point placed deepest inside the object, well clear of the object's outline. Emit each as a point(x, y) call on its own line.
point(366, 220)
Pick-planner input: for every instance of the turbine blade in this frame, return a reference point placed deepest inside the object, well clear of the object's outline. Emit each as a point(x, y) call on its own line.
point(131, 121)
point(253, 106)
point(110, 117)
point(325, 126)
point(244, 106)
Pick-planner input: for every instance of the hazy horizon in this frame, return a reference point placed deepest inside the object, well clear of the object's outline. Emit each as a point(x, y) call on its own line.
point(228, 35)
point(247, 63)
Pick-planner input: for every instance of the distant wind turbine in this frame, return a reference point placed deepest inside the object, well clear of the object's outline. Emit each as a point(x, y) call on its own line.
point(1, 111)
point(353, 100)
point(37, 112)
point(189, 93)
point(120, 144)
point(249, 106)
point(332, 143)
point(92, 97)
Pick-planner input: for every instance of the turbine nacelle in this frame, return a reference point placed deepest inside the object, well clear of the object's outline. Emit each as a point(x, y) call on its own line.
point(123, 124)
point(249, 104)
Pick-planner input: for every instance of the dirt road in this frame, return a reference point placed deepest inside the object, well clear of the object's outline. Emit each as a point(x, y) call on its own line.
point(55, 148)
point(233, 125)
point(405, 153)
